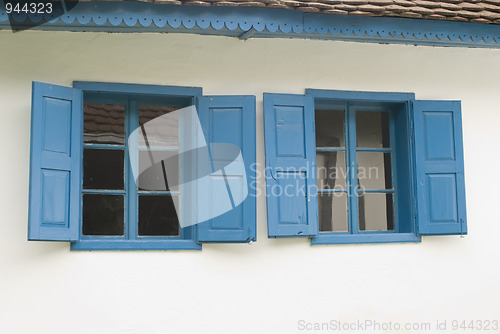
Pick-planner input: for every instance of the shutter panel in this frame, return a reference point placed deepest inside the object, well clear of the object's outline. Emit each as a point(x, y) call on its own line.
point(228, 124)
point(55, 166)
point(439, 167)
point(290, 165)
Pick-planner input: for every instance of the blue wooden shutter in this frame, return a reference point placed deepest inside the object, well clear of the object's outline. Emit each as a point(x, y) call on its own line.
point(55, 166)
point(439, 168)
point(290, 165)
point(231, 120)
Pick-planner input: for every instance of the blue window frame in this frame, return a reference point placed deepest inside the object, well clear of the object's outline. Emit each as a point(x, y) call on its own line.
point(329, 142)
point(83, 154)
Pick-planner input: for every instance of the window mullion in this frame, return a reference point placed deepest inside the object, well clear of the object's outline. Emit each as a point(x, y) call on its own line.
point(132, 121)
point(352, 167)
point(392, 137)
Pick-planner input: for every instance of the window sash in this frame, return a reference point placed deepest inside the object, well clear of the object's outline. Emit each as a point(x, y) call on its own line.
point(351, 151)
point(131, 192)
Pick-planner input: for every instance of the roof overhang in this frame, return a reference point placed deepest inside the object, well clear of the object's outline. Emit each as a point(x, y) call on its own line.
point(244, 23)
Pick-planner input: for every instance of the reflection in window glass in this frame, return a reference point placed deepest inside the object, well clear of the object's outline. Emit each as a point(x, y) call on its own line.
point(103, 214)
point(332, 212)
point(331, 170)
point(372, 129)
point(374, 170)
point(103, 169)
point(329, 125)
point(103, 124)
point(157, 216)
point(376, 212)
point(159, 126)
point(159, 170)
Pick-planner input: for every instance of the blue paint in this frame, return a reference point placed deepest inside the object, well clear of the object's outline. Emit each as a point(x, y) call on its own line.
point(243, 22)
point(342, 96)
point(145, 244)
point(55, 164)
point(363, 238)
point(290, 165)
point(130, 94)
point(439, 168)
point(401, 151)
point(55, 210)
point(126, 89)
point(231, 119)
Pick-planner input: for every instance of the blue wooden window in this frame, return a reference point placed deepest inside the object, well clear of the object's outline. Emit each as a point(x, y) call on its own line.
point(417, 188)
point(117, 213)
point(82, 182)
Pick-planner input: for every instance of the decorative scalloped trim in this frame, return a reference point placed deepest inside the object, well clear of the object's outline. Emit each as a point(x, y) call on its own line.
point(236, 21)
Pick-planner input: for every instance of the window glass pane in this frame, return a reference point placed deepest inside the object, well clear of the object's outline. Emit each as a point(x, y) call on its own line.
point(330, 128)
point(104, 123)
point(374, 170)
point(159, 170)
point(103, 169)
point(376, 212)
point(159, 126)
point(157, 215)
point(332, 212)
point(332, 172)
point(372, 129)
point(103, 214)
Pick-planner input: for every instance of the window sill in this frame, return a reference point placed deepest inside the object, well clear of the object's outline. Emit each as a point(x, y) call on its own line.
point(363, 238)
point(135, 245)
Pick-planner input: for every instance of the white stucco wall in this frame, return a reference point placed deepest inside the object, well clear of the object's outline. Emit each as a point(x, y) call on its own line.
point(267, 287)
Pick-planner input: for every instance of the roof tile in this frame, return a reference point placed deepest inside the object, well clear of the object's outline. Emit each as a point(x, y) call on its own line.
point(405, 3)
point(354, 2)
point(422, 10)
point(481, 20)
point(335, 11)
point(428, 4)
point(381, 2)
point(468, 14)
point(361, 13)
point(489, 15)
point(330, 2)
point(471, 6)
point(445, 12)
point(411, 15)
point(371, 8)
point(478, 11)
point(348, 8)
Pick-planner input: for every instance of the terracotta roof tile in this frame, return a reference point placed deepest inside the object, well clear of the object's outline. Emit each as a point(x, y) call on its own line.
point(468, 14)
point(349, 8)
point(428, 4)
point(371, 8)
point(422, 10)
point(478, 11)
point(471, 6)
point(489, 15)
point(336, 11)
point(481, 20)
point(360, 13)
point(445, 12)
